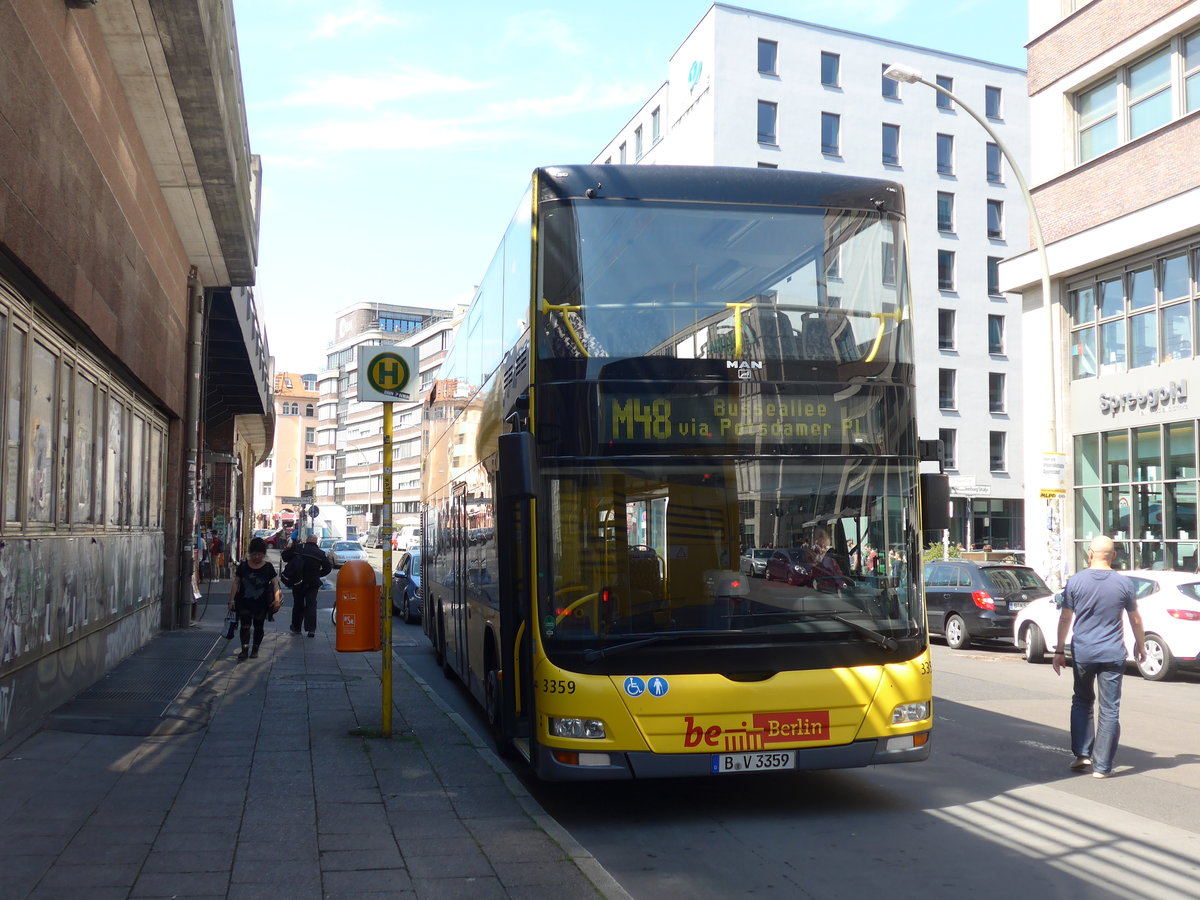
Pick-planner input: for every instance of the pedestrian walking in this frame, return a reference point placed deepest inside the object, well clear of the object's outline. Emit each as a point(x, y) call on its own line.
point(1096, 598)
point(304, 591)
point(254, 594)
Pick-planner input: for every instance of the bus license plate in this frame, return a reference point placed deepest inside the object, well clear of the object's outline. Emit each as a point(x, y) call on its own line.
point(728, 763)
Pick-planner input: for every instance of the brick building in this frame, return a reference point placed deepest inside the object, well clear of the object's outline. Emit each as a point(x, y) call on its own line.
point(132, 359)
point(1114, 89)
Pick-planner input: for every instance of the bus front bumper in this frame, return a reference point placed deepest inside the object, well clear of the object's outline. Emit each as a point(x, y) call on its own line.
point(642, 764)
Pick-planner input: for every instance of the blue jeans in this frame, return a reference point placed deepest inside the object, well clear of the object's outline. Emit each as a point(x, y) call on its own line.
point(1088, 738)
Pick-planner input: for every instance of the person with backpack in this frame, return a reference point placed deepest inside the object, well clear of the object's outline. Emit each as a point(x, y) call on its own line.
point(304, 567)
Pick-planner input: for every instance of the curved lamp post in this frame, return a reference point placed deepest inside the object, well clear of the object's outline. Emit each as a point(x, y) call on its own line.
point(1054, 512)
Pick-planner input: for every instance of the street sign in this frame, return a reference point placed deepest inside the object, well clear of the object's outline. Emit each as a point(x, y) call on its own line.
point(386, 374)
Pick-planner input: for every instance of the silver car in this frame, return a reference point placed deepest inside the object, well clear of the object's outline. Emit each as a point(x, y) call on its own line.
point(754, 561)
point(343, 551)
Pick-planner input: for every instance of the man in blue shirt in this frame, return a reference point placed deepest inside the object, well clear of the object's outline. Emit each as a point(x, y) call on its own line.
point(1095, 598)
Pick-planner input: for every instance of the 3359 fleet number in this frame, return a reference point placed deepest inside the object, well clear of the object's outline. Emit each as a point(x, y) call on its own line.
point(557, 686)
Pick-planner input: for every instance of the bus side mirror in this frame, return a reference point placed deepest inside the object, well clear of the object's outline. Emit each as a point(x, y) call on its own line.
point(516, 466)
point(935, 501)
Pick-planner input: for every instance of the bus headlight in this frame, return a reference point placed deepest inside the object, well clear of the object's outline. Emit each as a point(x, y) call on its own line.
point(910, 712)
point(578, 728)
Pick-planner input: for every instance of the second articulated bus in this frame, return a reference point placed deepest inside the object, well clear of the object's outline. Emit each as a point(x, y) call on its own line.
point(663, 368)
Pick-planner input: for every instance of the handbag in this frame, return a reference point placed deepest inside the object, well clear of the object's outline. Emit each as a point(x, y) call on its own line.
point(231, 624)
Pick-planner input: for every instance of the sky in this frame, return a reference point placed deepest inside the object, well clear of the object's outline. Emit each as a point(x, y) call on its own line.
point(398, 137)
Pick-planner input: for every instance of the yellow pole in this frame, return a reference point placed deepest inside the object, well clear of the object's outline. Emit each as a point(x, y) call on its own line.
point(385, 595)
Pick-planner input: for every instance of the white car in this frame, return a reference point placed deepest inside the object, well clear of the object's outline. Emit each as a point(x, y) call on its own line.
point(1170, 606)
point(343, 551)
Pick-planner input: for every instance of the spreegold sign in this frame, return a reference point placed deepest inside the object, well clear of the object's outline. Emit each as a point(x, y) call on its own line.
point(1174, 394)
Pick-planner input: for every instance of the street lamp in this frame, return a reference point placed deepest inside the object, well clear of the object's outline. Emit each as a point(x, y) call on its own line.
point(909, 75)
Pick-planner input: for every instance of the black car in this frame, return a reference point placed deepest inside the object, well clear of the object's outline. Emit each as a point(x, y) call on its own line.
point(790, 566)
point(967, 600)
point(406, 587)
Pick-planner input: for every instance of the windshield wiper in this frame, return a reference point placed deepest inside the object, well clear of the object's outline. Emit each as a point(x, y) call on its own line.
point(882, 640)
point(601, 652)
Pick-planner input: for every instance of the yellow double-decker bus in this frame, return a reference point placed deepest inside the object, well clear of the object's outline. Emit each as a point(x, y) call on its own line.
point(668, 377)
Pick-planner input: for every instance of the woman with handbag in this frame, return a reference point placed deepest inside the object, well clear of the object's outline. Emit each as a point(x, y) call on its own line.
point(254, 594)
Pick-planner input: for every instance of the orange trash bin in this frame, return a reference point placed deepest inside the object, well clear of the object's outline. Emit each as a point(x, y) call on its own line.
point(357, 608)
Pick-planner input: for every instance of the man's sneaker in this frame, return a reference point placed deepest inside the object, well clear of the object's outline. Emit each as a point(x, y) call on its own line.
point(243, 654)
point(1081, 762)
point(254, 653)
point(312, 634)
point(1101, 774)
point(295, 630)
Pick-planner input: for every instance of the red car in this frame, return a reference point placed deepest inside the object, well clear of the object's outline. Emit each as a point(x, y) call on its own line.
point(279, 539)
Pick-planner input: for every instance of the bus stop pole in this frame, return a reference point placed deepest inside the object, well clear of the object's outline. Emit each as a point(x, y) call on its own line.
point(385, 595)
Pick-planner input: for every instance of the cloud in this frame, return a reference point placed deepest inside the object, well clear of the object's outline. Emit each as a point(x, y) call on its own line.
point(362, 16)
point(371, 91)
point(541, 30)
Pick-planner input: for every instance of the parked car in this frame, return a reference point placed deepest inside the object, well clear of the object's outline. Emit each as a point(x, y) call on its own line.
point(343, 551)
point(326, 545)
point(754, 561)
point(407, 601)
point(787, 565)
point(263, 533)
point(967, 600)
point(1170, 606)
point(278, 539)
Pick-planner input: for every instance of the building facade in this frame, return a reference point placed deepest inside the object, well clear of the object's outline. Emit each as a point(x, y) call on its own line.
point(288, 476)
point(349, 449)
point(751, 89)
point(1114, 89)
point(132, 358)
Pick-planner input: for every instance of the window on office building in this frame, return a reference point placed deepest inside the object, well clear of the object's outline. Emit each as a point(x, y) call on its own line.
point(995, 164)
point(996, 400)
point(945, 154)
point(995, 335)
point(831, 128)
point(310, 463)
point(945, 329)
point(991, 102)
point(831, 65)
point(946, 399)
point(997, 451)
point(891, 144)
point(945, 266)
point(945, 211)
point(638, 149)
point(656, 125)
point(891, 87)
point(621, 154)
point(944, 102)
point(1135, 318)
point(268, 488)
point(767, 116)
point(768, 54)
point(310, 435)
point(993, 276)
point(995, 219)
point(1139, 98)
point(949, 439)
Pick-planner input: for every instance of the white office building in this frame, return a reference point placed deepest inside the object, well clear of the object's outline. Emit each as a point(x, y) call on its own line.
point(751, 89)
point(350, 434)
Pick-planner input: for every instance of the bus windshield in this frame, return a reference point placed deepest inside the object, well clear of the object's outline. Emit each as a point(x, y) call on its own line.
point(651, 548)
point(708, 281)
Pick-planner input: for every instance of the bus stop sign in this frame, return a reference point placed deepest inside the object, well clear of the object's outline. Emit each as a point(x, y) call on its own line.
point(387, 373)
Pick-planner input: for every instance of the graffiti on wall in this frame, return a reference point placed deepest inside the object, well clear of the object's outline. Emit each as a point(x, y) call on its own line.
point(55, 590)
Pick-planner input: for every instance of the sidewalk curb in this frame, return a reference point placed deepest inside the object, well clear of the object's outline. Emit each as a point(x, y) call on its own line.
point(604, 883)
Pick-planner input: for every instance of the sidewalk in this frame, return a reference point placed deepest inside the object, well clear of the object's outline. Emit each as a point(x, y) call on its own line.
point(253, 785)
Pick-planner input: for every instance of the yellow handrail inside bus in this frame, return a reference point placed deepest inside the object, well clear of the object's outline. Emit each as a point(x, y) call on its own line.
point(563, 309)
point(516, 658)
point(898, 315)
point(738, 309)
point(595, 595)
